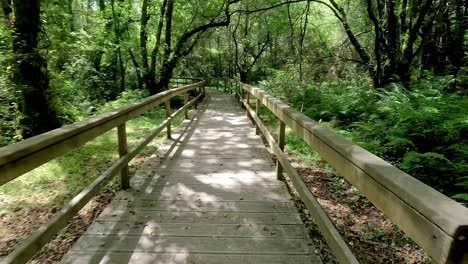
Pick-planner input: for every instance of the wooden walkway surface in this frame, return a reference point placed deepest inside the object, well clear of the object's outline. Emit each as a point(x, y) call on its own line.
point(209, 195)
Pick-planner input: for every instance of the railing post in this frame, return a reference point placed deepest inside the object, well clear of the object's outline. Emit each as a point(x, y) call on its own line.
point(230, 86)
point(281, 139)
point(123, 149)
point(168, 114)
point(257, 110)
point(247, 101)
point(185, 103)
point(225, 85)
point(198, 91)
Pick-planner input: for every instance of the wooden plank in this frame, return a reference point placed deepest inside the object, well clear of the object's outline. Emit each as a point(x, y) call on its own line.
point(218, 245)
point(258, 104)
point(149, 258)
point(151, 228)
point(339, 247)
point(200, 217)
point(179, 205)
point(124, 173)
point(223, 166)
point(168, 114)
point(214, 178)
point(431, 219)
point(212, 192)
point(281, 141)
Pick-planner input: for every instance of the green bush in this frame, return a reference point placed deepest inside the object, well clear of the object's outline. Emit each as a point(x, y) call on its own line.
point(423, 130)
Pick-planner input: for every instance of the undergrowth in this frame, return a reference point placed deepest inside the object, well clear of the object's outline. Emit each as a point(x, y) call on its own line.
point(422, 130)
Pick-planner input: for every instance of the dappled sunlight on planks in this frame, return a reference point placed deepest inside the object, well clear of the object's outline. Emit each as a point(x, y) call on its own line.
point(209, 195)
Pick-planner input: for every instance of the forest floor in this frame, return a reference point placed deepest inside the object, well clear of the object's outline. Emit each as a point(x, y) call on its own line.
point(370, 235)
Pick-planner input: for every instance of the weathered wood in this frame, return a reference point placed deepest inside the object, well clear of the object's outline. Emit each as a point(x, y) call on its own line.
point(222, 245)
point(257, 110)
point(19, 158)
point(281, 141)
point(198, 230)
point(185, 102)
point(124, 173)
point(38, 239)
point(434, 221)
point(244, 206)
point(168, 113)
point(206, 258)
point(339, 247)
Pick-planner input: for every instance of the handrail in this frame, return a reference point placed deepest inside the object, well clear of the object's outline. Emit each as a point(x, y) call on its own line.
point(36, 151)
point(434, 221)
point(19, 158)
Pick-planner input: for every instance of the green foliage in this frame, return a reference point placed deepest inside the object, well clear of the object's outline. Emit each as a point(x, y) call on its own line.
point(9, 116)
point(423, 131)
point(58, 181)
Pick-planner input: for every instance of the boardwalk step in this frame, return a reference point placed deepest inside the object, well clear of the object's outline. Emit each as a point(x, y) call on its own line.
point(198, 230)
point(189, 258)
point(217, 245)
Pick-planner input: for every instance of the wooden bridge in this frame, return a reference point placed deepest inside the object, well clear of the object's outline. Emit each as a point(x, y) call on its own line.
point(212, 194)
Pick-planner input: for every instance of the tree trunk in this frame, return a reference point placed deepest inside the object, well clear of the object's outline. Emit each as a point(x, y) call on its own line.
point(119, 52)
point(243, 76)
point(154, 53)
point(70, 13)
point(143, 44)
point(7, 10)
point(457, 55)
point(30, 72)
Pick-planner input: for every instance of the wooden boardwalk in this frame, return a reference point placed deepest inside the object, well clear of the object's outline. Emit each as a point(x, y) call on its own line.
point(209, 195)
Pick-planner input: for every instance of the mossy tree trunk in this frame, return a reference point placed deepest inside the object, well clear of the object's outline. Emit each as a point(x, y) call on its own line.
point(30, 71)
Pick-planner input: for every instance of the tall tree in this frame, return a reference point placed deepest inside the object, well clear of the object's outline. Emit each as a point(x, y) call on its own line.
point(248, 48)
point(184, 45)
point(30, 71)
point(397, 36)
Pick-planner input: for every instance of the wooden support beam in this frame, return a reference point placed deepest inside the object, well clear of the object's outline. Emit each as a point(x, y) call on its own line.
point(168, 114)
point(257, 110)
point(185, 102)
point(281, 141)
point(247, 102)
point(123, 149)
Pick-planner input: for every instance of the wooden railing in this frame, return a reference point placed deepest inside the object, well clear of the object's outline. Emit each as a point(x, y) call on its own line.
point(178, 81)
point(19, 158)
point(434, 221)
